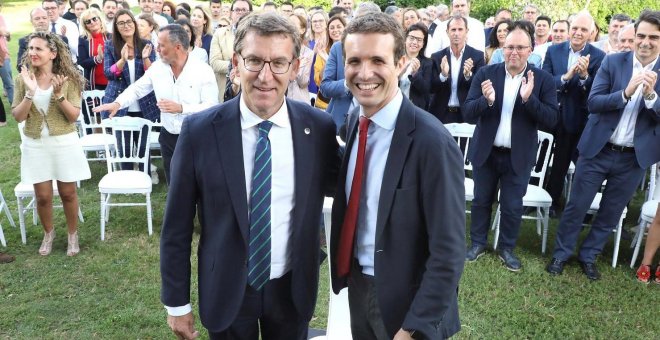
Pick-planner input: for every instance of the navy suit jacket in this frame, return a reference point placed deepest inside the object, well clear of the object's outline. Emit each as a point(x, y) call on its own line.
point(117, 84)
point(442, 90)
point(420, 83)
point(420, 230)
point(208, 176)
point(540, 109)
point(332, 86)
point(86, 59)
point(572, 96)
point(606, 106)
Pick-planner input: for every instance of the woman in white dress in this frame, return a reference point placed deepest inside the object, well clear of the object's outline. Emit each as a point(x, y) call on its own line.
point(47, 99)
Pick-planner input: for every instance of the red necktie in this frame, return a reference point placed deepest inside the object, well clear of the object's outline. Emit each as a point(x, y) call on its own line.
point(345, 251)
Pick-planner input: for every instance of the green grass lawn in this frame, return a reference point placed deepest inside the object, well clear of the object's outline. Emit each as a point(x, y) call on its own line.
point(111, 289)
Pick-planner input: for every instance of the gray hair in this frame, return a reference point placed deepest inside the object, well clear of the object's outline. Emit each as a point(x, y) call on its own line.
point(366, 7)
point(266, 24)
point(177, 35)
point(442, 7)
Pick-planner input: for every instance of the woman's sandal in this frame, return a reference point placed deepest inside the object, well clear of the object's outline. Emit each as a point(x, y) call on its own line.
point(72, 248)
point(47, 243)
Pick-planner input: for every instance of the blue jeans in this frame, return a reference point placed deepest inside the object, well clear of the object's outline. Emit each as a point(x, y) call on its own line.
point(7, 82)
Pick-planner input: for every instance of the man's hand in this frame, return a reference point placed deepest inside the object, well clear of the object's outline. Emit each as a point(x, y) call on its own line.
point(402, 335)
point(648, 84)
point(633, 84)
point(467, 68)
point(583, 66)
point(527, 86)
point(169, 106)
point(488, 91)
point(110, 107)
point(444, 67)
point(63, 30)
point(570, 73)
point(183, 326)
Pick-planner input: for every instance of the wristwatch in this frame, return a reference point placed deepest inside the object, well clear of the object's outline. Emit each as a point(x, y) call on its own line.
point(60, 99)
point(650, 96)
point(415, 334)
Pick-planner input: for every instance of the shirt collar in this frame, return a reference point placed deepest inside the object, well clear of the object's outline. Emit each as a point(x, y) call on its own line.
point(636, 62)
point(250, 119)
point(570, 48)
point(386, 117)
point(520, 75)
point(460, 55)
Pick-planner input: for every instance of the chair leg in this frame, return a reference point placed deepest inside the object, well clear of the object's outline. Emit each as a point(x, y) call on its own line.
point(638, 242)
point(617, 242)
point(21, 219)
point(2, 237)
point(80, 215)
point(5, 207)
point(102, 217)
point(149, 223)
point(33, 205)
point(539, 215)
point(107, 208)
point(545, 231)
point(496, 226)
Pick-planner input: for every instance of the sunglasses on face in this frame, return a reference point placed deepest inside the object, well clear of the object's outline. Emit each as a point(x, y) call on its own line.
point(94, 19)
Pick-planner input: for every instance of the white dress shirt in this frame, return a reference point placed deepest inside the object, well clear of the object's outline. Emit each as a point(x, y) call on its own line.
point(440, 39)
point(624, 134)
point(72, 34)
point(455, 68)
point(195, 89)
point(282, 195)
point(573, 57)
point(379, 138)
point(511, 88)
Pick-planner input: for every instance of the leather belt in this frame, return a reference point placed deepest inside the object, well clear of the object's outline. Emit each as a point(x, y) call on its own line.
point(501, 149)
point(619, 148)
point(453, 109)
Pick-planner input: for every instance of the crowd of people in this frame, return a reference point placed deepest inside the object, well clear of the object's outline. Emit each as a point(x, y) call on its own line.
point(387, 83)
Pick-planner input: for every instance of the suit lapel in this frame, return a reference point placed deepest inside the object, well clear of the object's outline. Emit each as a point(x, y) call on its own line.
point(401, 140)
point(229, 145)
point(304, 158)
point(498, 85)
point(563, 57)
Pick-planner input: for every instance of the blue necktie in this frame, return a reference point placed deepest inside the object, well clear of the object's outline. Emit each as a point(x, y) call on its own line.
point(259, 248)
point(52, 28)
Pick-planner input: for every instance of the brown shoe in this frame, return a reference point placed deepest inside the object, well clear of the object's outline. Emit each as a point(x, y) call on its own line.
point(6, 258)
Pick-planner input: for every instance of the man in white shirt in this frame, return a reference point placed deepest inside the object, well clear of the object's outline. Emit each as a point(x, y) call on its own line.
point(619, 142)
point(609, 44)
point(183, 86)
point(109, 10)
point(259, 202)
point(59, 25)
point(147, 7)
point(440, 39)
point(215, 8)
point(508, 101)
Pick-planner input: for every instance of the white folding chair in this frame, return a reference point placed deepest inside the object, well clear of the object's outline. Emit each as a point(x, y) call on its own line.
point(649, 208)
point(93, 137)
point(4, 208)
point(130, 146)
point(535, 196)
point(462, 133)
point(339, 321)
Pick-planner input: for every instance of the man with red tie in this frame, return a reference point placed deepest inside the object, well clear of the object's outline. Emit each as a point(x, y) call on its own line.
point(398, 221)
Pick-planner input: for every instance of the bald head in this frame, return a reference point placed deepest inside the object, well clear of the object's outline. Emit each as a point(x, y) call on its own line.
point(39, 19)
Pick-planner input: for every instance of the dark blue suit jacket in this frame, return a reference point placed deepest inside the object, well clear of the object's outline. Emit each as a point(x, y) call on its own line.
point(420, 229)
point(117, 84)
point(86, 59)
point(572, 96)
point(420, 83)
point(332, 86)
point(606, 106)
point(540, 109)
point(208, 172)
point(442, 90)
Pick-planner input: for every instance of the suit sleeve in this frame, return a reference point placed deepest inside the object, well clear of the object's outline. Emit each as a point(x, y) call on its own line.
point(177, 231)
point(602, 100)
point(421, 81)
point(85, 58)
point(332, 85)
point(443, 209)
point(476, 104)
point(109, 60)
point(543, 107)
point(548, 66)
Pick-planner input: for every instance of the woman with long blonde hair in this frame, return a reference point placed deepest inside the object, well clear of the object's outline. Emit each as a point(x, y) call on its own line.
point(47, 99)
point(93, 36)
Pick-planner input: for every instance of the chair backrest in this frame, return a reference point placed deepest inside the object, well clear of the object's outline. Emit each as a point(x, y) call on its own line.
point(543, 153)
point(90, 120)
point(654, 188)
point(132, 142)
point(462, 133)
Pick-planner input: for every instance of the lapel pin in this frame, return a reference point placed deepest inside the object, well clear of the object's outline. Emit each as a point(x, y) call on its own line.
point(307, 131)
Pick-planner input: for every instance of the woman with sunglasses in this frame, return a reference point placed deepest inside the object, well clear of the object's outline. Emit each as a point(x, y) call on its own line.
point(415, 79)
point(47, 99)
point(90, 48)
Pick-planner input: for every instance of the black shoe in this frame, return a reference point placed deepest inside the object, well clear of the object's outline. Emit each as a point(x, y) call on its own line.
point(555, 267)
point(511, 262)
point(589, 269)
point(475, 252)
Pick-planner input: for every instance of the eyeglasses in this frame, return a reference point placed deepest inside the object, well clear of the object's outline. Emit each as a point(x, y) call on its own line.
point(127, 23)
point(516, 48)
point(50, 9)
point(415, 39)
point(94, 19)
point(222, 25)
point(277, 66)
point(240, 10)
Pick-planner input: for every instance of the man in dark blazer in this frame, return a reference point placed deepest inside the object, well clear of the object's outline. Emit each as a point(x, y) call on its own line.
point(573, 65)
point(453, 68)
point(398, 221)
point(39, 20)
point(258, 267)
point(621, 140)
point(508, 102)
